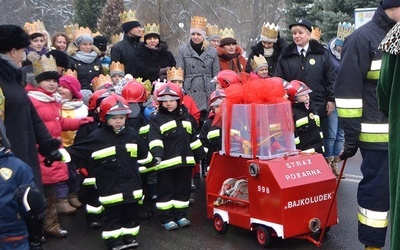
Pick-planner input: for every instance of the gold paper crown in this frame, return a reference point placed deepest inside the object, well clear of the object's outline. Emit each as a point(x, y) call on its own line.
point(315, 33)
point(175, 74)
point(82, 31)
point(42, 63)
point(100, 81)
point(96, 34)
point(344, 30)
point(199, 22)
point(147, 84)
point(269, 31)
point(70, 29)
point(127, 16)
point(257, 62)
point(152, 29)
point(117, 38)
point(34, 27)
point(225, 33)
point(212, 30)
point(71, 72)
point(117, 66)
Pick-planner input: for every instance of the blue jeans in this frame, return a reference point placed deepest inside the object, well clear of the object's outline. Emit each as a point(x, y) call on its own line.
point(333, 134)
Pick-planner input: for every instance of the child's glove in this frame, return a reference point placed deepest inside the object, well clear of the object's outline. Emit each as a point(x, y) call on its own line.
point(52, 157)
point(86, 120)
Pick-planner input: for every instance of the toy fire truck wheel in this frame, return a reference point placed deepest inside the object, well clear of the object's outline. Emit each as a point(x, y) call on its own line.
point(264, 236)
point(220, 225)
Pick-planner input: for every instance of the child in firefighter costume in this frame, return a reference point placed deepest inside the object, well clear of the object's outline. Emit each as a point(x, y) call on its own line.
point(176, 148)
point(116, 151)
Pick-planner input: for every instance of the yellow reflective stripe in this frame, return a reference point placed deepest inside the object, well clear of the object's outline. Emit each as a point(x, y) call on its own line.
point(373, 75)
point(374, 128)
point(89, 181)
point(142, 169)
point(372, 218)
point(188, 126)
point(144, 129)
point(132, 148)
point(349, 103)
point(367, 137)
point(146, 160)
point(156, 143)
point(301, 121)
point(180, 204)
point(169, 163)
point(103, 153)
point(111, 199)
point(309, 151)
point(235, 132)
point(190, 160)
point(164, 205)
point(130, 231)
point(317, 119)
point(196, 144)
point(297, 140)
point(321, 135)
point(111, 234)
point(213, 134)
point(137, 194)
point(65, 155)
point(167, 126)
point(349, 113)
point(94, 210)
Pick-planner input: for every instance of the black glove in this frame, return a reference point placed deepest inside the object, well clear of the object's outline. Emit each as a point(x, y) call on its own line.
point(158, 160)
point(350, 149)
point(52, 157)
point(48, 147)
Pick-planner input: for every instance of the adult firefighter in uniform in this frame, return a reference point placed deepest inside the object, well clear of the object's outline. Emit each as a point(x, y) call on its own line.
point(364, 124)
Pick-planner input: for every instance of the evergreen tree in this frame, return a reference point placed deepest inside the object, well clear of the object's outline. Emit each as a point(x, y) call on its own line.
point(109, 23)
point(87, 12)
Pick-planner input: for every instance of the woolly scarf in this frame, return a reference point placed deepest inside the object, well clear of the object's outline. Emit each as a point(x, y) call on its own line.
point(44, 97)
point(85, 57)
point(268, 52)
point(71, 105)
point(231, 59)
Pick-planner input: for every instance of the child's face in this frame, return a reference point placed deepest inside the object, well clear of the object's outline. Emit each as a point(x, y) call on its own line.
point(38, 43)
point(65, 93)
point(216, 109)
point(49, 85)
point(117, 121)
point(303, 98)
point(170, 105)
point(178, 82)
point(116, 78)
point(263, 72)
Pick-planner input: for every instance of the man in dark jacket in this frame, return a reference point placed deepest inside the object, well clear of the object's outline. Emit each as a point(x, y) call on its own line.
point(126, 50)
point(364, 125)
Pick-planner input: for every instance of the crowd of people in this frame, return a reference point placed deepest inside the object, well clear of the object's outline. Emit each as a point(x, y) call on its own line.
point(116, 127)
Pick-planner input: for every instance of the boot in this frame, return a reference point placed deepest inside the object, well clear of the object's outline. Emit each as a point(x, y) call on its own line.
point(73, 200)
point(63, 207)
point(336, 161)
point(50, 223)
point(334, 167)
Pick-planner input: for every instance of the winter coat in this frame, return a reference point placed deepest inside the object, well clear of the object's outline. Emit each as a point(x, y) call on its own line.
point(236, 63)
point(12, 223)
point(115, 158)
point(24, 126)
point(334, 55)
point(149, 61)
point(317, 72)
point(74, 109)
point(258, 49)
point(191, 107)
point(355, 87)
point(49, 110)
point(86, 71)
point(211, 137)
point(173, 138)
point(308, 133)
point(198, 70)
point(125, 52)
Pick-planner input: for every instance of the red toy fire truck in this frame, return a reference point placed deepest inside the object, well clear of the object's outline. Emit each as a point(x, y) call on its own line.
point(269, 188)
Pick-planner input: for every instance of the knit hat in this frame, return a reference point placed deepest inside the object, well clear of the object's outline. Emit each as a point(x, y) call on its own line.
point(198, 25)
point(83, 34)
point(227, 37)
point(4, 142)
point(12, 36)
point(60, 57)
point(72, 84)
point(302, 22)
point(387, 4)
point(100, 42)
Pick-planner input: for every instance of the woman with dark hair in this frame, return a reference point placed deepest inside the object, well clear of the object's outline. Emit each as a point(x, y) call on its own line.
point(37, 40)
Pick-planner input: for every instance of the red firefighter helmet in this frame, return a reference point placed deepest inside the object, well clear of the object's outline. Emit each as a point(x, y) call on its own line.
point(113, 105)
point(296, 88)
point(169, 91)
point(134, 92)
point(226, 77)
point(96, 98)
point(217, 97)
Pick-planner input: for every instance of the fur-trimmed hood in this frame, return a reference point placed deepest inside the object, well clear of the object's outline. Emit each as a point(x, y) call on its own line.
point(315, 48)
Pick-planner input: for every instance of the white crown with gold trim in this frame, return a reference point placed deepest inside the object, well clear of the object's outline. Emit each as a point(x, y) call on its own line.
point(257, 62)
point(269, 32)
point(226, 33)
point(151, 29)
point(316, 33)
point(128, 16)
point(175, 74)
